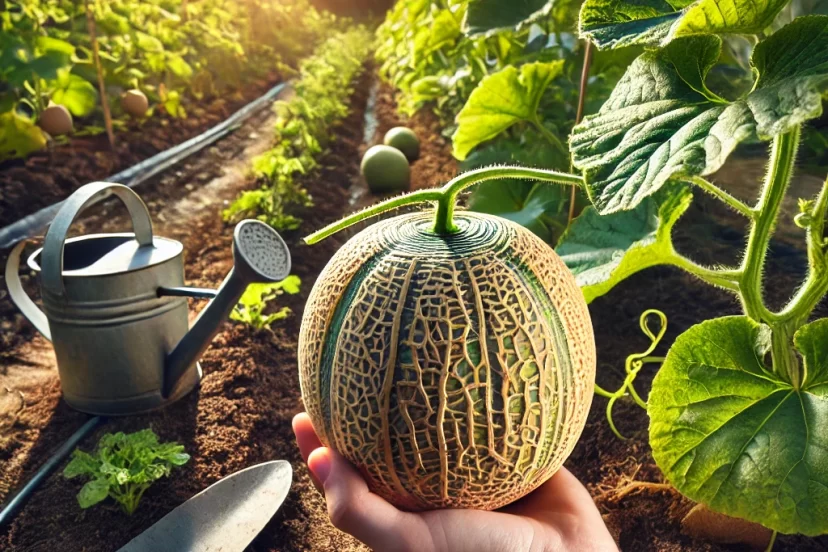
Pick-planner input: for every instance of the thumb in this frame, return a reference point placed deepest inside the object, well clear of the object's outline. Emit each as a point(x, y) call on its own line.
point(353, 508)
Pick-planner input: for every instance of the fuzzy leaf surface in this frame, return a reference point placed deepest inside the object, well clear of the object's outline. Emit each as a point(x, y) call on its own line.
point(19, 136)
point(620, 23)
point(489, 16)
point(75, 94)
point(729, 433)
point(661, 120)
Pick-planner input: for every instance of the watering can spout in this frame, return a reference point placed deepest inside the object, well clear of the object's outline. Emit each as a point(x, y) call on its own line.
point(260, 256)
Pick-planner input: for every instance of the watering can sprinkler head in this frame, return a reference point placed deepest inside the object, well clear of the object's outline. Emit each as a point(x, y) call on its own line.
point(260, 255)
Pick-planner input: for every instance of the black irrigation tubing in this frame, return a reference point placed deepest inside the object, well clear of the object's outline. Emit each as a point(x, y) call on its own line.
point(13, 505)
point(29, 226)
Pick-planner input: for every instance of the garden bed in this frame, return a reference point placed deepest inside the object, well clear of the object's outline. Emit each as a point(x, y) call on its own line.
point(241, 414)
point(50, 175)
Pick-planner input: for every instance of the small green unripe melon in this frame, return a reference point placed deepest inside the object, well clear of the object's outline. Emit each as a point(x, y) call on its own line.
point(135, 103)
point(56, 120)
point(385, 169)
point(404, 140)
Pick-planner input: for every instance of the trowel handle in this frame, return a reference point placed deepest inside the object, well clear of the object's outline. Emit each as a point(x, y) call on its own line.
point(52, 257)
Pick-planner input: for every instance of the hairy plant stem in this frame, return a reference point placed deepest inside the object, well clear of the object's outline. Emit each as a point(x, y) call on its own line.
point(800, 307)
point(446, 197)
point(722, 195)
point(579, 115)
point(722, 277)
point(780, 170)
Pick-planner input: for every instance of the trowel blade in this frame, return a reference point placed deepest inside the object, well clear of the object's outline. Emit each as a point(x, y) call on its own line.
point(225, 516)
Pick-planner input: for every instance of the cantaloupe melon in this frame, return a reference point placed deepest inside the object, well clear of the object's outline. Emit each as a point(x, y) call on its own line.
point(56, 120)
point(135, 103)
point(453, 369)
point(385, 169)
point(405, 140)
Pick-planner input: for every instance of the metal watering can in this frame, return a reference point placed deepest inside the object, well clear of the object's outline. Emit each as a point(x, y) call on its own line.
point(115, 308)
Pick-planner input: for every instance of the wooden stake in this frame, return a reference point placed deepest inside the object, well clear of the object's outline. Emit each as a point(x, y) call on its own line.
point(580, 114)
point(90, 23)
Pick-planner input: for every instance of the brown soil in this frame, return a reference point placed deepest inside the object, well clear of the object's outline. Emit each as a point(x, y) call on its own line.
point(241, 413)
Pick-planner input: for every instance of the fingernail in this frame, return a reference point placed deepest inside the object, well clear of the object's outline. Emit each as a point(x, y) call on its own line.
point(319, 463)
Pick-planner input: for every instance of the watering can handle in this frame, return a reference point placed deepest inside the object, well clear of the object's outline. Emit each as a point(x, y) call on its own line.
point(52, 257)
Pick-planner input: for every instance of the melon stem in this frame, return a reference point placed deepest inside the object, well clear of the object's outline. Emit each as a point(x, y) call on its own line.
point(444, 215)
point(446, 197)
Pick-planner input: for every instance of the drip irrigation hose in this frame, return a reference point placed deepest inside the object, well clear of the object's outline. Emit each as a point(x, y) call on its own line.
point(29, 226)
point(13, 505)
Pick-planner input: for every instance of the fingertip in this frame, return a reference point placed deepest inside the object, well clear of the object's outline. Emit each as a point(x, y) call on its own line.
point(320, 463)
point(306, 436)
point(301, 421)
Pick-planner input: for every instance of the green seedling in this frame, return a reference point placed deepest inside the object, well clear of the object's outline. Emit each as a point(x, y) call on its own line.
point(123, 466)
point(256, 299)
point(303, 131)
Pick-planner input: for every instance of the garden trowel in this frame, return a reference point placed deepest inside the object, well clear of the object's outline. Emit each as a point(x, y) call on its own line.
point(225, 516)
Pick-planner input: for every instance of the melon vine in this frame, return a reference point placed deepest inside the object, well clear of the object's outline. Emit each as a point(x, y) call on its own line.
point(737, 407)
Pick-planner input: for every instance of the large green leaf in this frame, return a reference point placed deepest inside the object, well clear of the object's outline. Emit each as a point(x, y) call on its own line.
point(728, 16)
point(178, 66)
point(619, 23)
point(48, 44)
point(442, 30)
point(727, 432)
point(603, 250)
point(92, 492)
point(75, 94)
point(501, 100)
point(662, 121)
point(488, 16)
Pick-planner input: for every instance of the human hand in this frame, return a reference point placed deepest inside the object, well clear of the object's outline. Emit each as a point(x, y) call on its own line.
point(559, 516)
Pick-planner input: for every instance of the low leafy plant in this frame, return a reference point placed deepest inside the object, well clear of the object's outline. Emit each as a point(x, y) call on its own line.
point(258, 297)
point(303, 130)
point(123, 466)
point(505, 88)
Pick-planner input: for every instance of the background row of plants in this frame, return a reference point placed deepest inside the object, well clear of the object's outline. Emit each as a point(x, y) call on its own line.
point(174, 51)
point(306, 125)
point(670, 91)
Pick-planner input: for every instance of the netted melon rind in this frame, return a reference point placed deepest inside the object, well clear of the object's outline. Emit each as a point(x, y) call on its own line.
point(472, 414)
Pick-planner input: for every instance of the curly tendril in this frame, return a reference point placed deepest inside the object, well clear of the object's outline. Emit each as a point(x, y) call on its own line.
point(633, 365)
